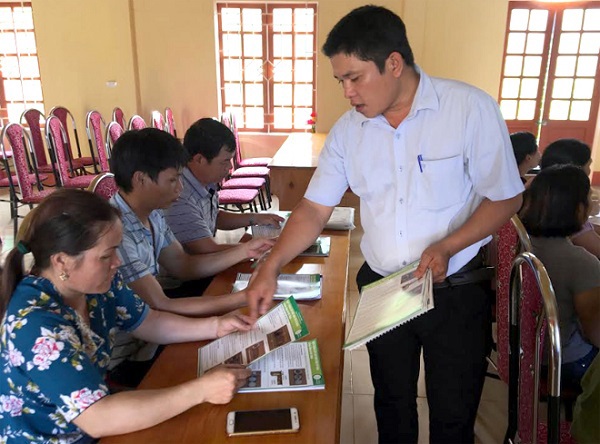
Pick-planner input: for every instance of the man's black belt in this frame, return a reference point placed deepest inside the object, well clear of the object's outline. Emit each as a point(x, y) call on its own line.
point(473, 272)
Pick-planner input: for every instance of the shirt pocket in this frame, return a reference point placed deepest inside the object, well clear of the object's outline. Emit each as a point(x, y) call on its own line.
point(440, 182)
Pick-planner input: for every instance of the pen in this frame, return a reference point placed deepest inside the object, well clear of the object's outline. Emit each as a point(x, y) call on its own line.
point(420, 159)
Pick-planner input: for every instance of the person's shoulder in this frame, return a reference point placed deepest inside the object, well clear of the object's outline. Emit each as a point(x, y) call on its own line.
point(459, 89)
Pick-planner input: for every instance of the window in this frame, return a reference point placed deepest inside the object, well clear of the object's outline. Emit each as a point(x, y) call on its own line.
point(20, 86)
point(267, 64)
point(550, 70)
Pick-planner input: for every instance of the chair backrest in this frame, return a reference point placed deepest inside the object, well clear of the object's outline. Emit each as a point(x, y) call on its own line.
point(34, 119)
point(534, 314)
point(119, 117)
point(136, 123)
point(170, 121)
point(94, 126)
point(511, 239)
point(64, 115)
point(158, 121)
point(113, 132)
point(18, 140)
point(104, 185)
point(57, 139)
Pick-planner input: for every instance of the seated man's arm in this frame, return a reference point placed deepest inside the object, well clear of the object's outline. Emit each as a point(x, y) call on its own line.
point(205, 245)
point(231, 221)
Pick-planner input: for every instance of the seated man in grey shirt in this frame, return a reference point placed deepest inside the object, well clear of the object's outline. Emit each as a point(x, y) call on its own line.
point(195, 216)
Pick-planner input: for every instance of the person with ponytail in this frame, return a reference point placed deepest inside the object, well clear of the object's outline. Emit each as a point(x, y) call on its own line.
point(59, 323)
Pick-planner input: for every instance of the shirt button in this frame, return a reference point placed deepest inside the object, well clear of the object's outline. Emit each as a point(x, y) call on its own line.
point(400, 234)
point(401, 201)
point(400, 168)
point(403, 262)
point(397, 136)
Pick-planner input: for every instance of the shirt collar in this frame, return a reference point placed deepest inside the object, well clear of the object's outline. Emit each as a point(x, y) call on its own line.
point(195, 183)
point(129, 217)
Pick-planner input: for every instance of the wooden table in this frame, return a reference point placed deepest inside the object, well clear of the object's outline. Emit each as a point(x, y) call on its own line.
point(293, 166)
point(319, 410)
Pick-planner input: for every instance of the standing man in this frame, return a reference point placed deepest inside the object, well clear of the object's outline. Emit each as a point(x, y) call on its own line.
point(195, 216)
point(433, 166)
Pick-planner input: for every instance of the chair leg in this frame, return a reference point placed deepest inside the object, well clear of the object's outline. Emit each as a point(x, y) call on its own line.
point(253, 206)
point(261, 200)
point(268, 187)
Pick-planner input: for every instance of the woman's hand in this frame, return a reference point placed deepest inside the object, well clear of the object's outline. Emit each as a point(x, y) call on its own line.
point(219, 385)
point(233, 322)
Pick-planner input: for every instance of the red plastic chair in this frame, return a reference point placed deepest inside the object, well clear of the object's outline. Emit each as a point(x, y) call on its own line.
point(119, 117)
point(136, 123)
point(113, 132)
point(170, 122)
point(533, 317)
point(94, 124)
point(253, 183)
point(78, 163)
point(56, 137)
point(104, 185)
point(34, 120)
point(27, 189)
point(241, 199)
point(158, 121)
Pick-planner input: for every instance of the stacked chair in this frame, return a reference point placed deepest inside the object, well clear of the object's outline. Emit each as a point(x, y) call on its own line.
point(104, 185)
point(113, 132)
point(170, 122)
point(158, 121)
point(119, 117)
point(136, 123)
point(94, 127)
point(34, 120)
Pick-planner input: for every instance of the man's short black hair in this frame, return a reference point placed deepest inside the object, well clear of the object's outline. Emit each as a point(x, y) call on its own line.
point(554, 202)
point(370, 33)
point(149, 150)
point(523, 144)
point(207, 136)
point(566, 151)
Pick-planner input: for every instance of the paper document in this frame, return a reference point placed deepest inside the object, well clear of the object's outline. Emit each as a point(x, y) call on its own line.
point(320, 248)
point(342, 218)
point(295, 366)
point(280, 326)
point(304, 287)
point(388, 303)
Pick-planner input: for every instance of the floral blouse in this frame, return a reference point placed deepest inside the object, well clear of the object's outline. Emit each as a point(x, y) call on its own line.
point(54, 364)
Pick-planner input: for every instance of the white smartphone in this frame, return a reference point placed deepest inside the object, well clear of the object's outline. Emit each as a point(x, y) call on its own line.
point(260, 422)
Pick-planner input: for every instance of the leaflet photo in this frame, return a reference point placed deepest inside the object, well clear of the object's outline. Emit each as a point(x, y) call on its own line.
point(255, 351)
point(279, 337)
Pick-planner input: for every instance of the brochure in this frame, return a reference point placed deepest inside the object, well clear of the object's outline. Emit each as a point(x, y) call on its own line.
point(281, 325)
point(304, 287)
point(388, 303)
point(320, 248)
point(342, 218)
point(295, 366)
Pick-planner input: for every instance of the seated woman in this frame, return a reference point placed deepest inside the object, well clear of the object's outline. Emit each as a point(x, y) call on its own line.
point(59, 324)
point(526, 152)
point(555, 206)
point(575, 152)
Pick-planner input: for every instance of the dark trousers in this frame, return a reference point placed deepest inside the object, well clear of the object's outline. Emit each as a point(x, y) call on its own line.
point(455, 338)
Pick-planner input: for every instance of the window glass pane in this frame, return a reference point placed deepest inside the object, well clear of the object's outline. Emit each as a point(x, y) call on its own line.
point(565, 66)
point(591, 21)
point(583, 89)
point(572, 19)
point(12, 90)
point(303, 95)
point(580, 110)
point(535, 43)
point(253, 70)
point(510, 88)
point(9, 66)
point(29, 66)
point(282, 71)
point(23, 18)
point(569, 43)
point(590, 43)
point(252, 20)
point(282, 93)
point(253, 45)
point(304, 20)
point(303, 71)
point(233, 94)
point(559, 109)
point(238, 113)
point(516, 43)
point(232, 70)
point(14, 111)
point(513, 65)
point(254, 94)
point(562, 88)
point(301, 116)
point(7, 43)
point(529, 89)
point(230, 20)
point(526, 110)
point(586, 66)
point(283, 118)
point(282, 20)
point(255, 118)
point(304, 45)
point(538, 20)
point(519, 19)
point(6, 19)
point(532, 66)
point(508, 109)
point(232, 45)
point(32, 89)
point(282, 45)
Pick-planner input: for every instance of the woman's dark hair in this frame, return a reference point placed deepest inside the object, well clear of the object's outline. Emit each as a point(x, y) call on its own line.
point(207, 136)
point(370, 33)
point(566, 151)
point(553, 204)
point(523, 144)
point(149, 150)
point(67, 221)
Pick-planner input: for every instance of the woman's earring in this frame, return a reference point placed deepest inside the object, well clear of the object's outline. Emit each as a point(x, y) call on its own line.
point(63, 276)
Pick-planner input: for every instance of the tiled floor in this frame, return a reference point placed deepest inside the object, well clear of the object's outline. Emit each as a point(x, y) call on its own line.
point(358, 419)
